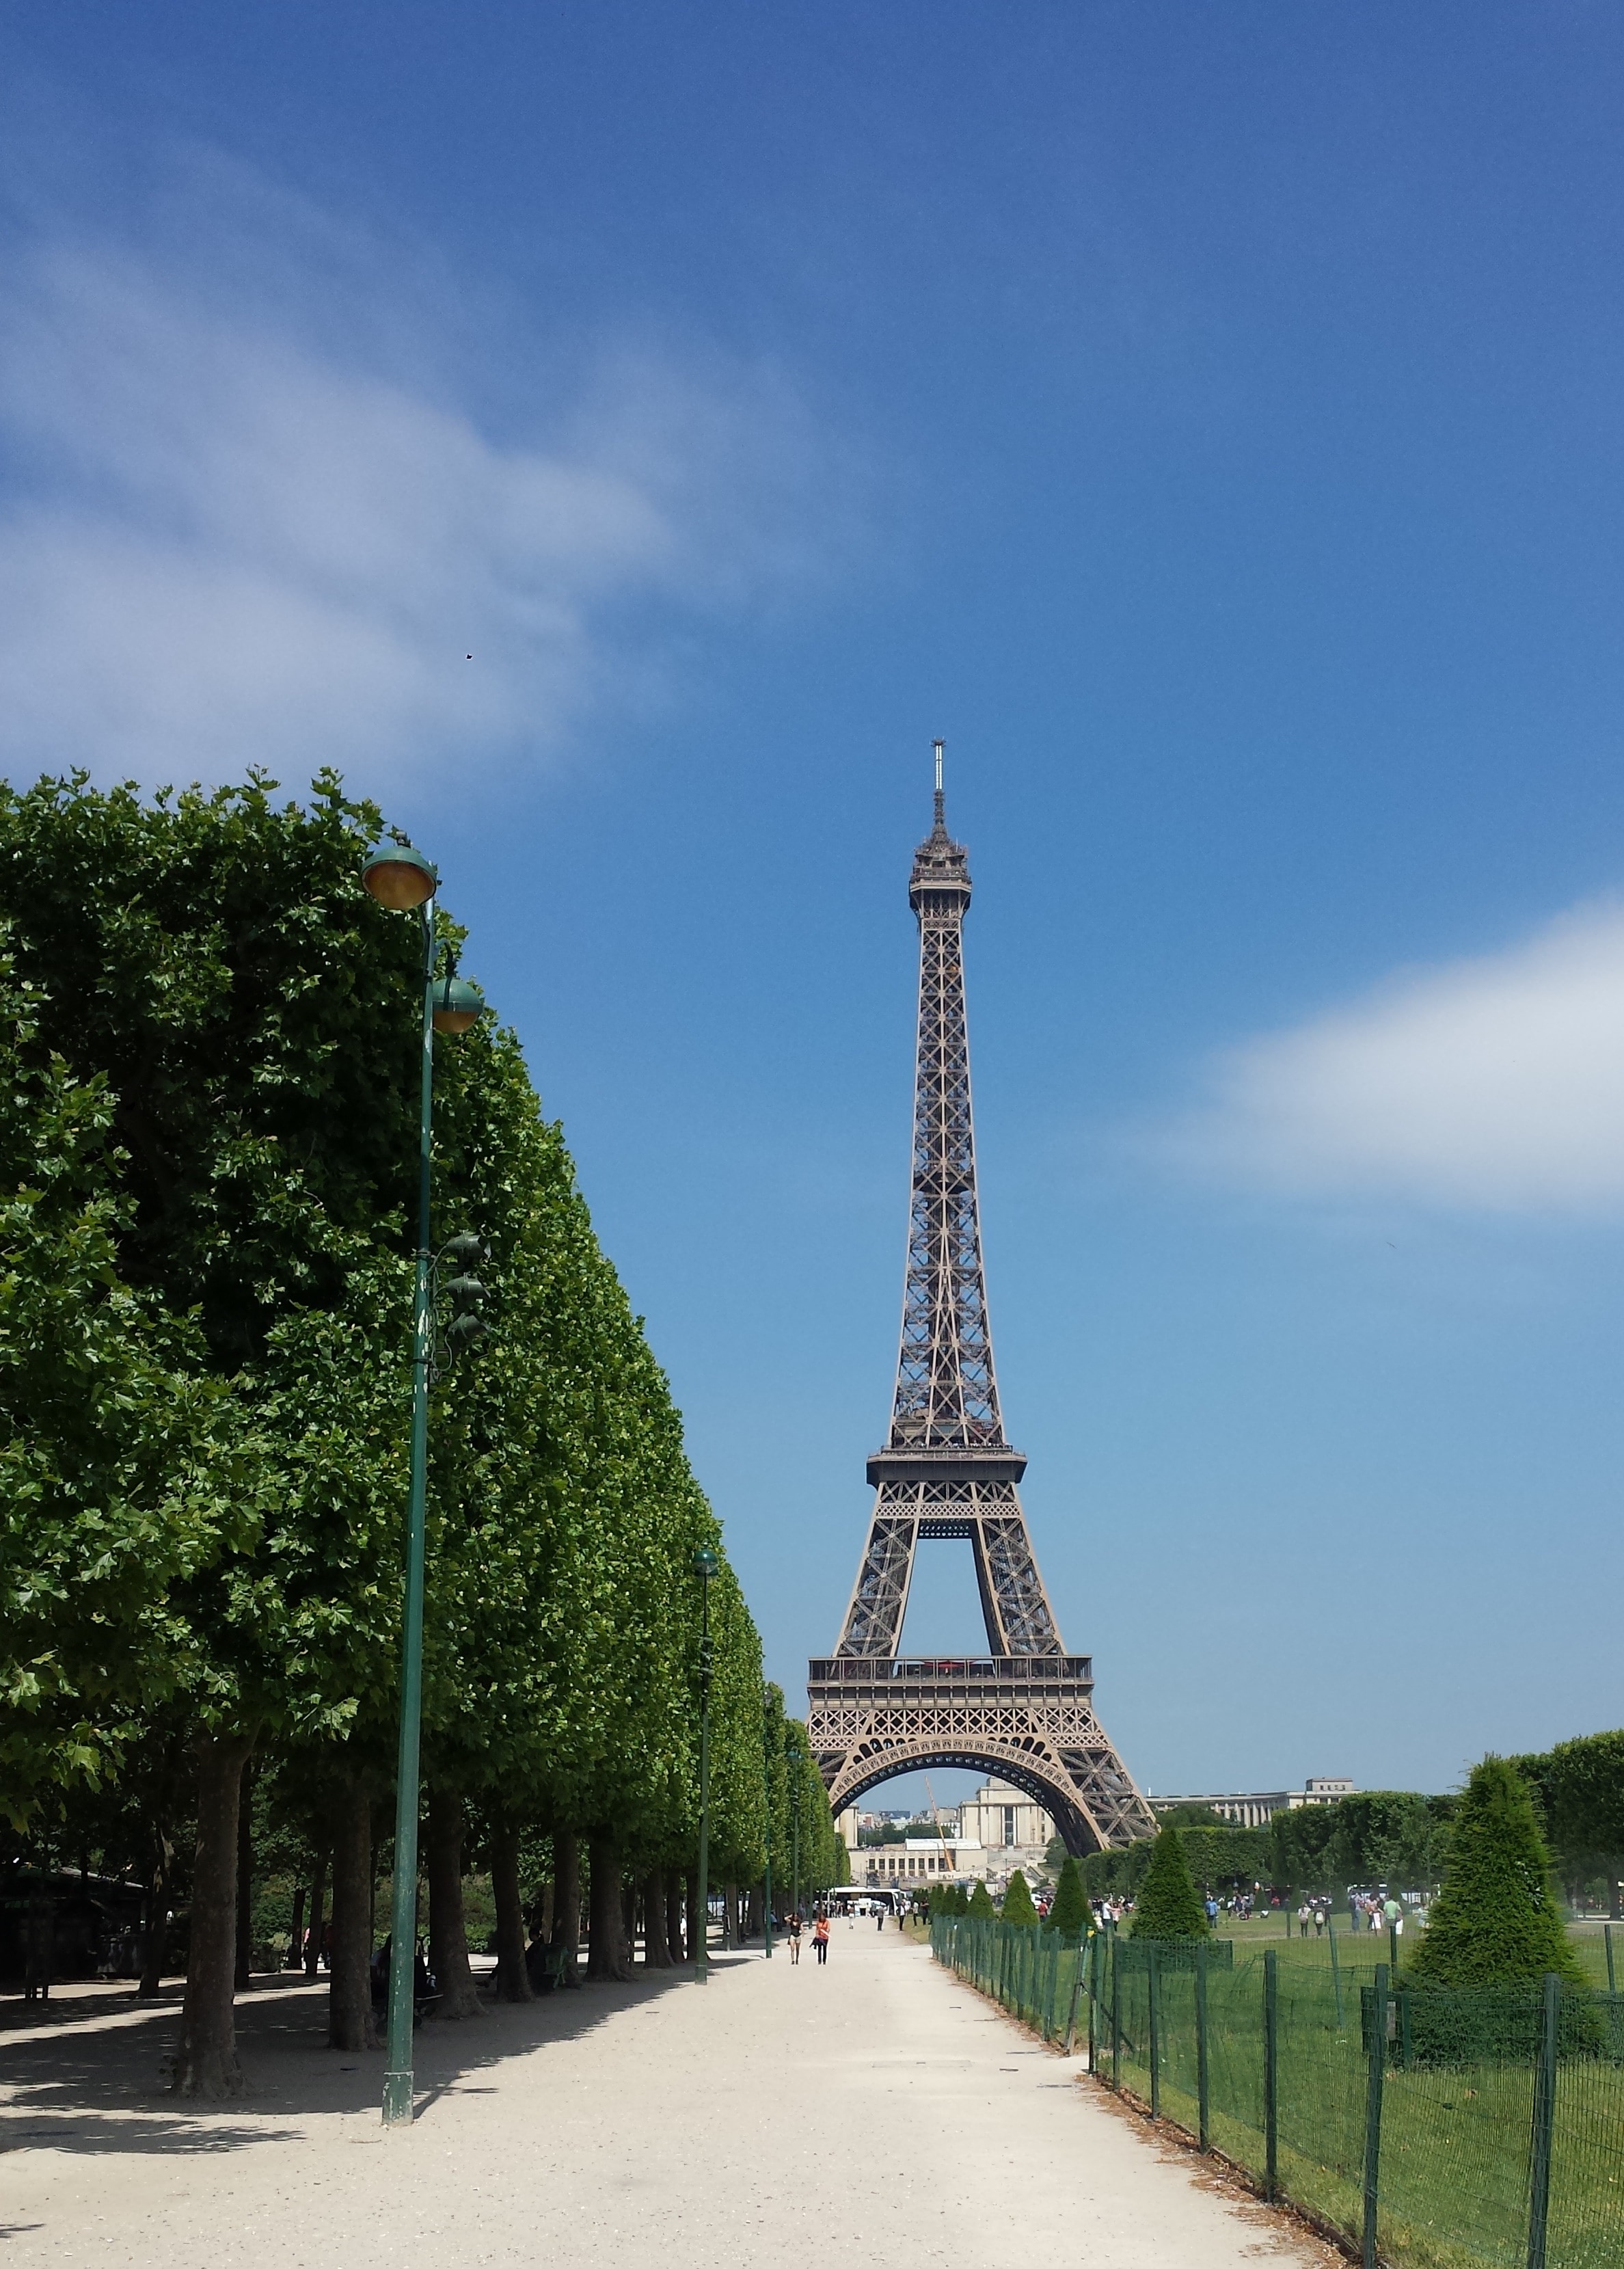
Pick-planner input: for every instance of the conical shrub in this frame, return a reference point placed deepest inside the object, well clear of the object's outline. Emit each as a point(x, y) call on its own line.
point(1017, 1905)
point(1167, 1904)
point(1497, 1920)
point(1069, 1913)
point(981, 1903)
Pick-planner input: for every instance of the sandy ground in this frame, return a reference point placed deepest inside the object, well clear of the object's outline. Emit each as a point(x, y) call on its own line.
point(774, 2115)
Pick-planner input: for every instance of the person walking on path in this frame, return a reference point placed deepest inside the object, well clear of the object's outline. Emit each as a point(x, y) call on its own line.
point(795, 1938)
point(820, 1939)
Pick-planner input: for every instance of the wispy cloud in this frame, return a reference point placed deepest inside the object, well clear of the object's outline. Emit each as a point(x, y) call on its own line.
point(1491, 1083)
point(249, 515)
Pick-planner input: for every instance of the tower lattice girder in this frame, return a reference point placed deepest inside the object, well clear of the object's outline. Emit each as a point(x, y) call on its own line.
point(1025, 1710)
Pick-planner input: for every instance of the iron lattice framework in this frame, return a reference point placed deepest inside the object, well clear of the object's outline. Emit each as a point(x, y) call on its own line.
point(1025, 1709)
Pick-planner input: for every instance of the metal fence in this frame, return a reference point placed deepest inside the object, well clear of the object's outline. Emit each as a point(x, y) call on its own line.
point(1429, 2129)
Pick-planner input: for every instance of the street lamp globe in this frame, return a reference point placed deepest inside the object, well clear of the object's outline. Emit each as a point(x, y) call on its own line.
point(458, 1004)
point(705, 1562)
point(398, 877)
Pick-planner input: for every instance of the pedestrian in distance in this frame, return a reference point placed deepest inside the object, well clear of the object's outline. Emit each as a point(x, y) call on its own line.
point(795, 1939)
point(820, 1939)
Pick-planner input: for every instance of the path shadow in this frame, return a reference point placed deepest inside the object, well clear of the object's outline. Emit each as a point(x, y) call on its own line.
point(97, 2085)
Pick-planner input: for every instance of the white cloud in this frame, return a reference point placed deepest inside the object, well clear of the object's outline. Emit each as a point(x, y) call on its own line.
point(255, 524)
point(1492, 1083)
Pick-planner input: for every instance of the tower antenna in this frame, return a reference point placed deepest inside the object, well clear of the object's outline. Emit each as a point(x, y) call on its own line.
point(941, 800)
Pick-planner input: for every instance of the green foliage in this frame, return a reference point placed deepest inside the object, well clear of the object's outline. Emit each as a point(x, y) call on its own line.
point(1068, 1911)
point(121, 1470)
point(1017, 1906)
point(1189, 1816)
point(1169, 1904)
point(1584, 1783)
point(1224, 1858)
point(1388, 1836)
point(1497, 1920)
point(981, 1903)
point(208, 1137)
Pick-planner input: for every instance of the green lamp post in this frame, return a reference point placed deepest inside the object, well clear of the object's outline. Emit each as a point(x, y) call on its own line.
point(401, 879)
point(794, 1763)
point(767, 1776)
point(705, 1565)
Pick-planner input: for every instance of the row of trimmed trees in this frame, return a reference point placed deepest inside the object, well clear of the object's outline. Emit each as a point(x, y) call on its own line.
point(207, 1130)
point(1398, 1837)
point(1497, 1919)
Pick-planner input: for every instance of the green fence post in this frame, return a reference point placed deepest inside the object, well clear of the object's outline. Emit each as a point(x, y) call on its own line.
point(1154, 1955)
point(1336, 1969)
point(1203, 2079)
point(1373, 2113)
point(1544, 2122)
point(1606, 1940)
point(1271, 2070)
point(1116, 2020)
point(1095, 1957)
point(1078, 1976)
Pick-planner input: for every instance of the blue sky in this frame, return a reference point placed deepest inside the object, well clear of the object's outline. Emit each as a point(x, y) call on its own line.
point(621, 438)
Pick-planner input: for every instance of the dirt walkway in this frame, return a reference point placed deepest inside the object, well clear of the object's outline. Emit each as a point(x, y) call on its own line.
point(764, 2119)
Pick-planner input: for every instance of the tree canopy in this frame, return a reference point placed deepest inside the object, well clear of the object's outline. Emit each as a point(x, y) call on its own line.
point(208, 1132)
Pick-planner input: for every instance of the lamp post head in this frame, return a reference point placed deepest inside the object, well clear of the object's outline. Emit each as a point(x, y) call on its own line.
point(398, 877)
point(458, 1004)
point(705, 1564)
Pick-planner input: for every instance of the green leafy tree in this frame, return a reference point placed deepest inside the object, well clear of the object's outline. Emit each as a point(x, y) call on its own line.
point(1497, 1920)
point(120, 1468)
point(1583, 1785)
point(1017, 1906)
point(1169, 1904)
point(981, 1903)
point(222, 1060)
point(1387, 1835)
point(1069, 1911)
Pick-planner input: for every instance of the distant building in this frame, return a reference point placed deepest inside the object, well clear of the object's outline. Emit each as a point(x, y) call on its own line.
point(983, 1839)
point(1257, 1809)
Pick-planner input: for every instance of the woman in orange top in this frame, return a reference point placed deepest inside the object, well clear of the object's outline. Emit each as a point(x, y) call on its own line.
point(820, 1939)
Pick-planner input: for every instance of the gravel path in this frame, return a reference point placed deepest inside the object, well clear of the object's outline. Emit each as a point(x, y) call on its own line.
point(777, 2116)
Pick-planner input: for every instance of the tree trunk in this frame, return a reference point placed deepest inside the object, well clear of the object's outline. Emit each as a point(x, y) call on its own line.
point(350, 2024)
point(454, 1979)
point(673, 1915)
point(512, 1979)
point(155, 1921)
point(609, 1957)
point(656, 1946)
point(312, 1948)
point(753, 1911)
point(206, 2064)
point(296, 1952)
point(566, 1900)
point(698, 1941)
point(245, 1883)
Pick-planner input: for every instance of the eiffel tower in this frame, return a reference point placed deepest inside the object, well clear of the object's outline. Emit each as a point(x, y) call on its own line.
point(1024, 1710)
